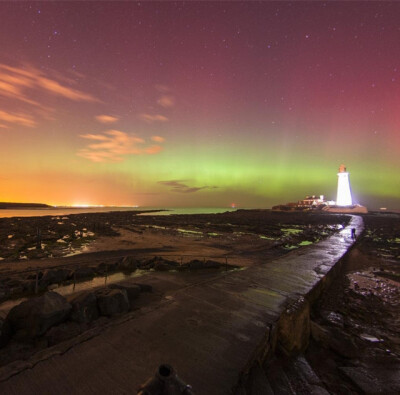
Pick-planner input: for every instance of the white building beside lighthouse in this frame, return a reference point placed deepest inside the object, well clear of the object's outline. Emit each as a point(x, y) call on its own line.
point(343, 197)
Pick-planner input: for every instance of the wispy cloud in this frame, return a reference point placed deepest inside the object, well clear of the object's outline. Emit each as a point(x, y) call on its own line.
point(16, 81)
point(106, 118)
point(114, 146)
point(150, 118)
point(166, 101)
point(158, 139)
point(180, 186)
point(20, 119)
point(153, 149)
point(26, 83)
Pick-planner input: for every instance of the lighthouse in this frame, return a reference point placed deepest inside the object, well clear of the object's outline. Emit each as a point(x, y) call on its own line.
point(343, 189)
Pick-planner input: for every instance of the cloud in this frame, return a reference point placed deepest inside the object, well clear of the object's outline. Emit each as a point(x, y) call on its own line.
point(106, 118)
point(25, 82)
point(20, 119)
point(153, 118)
point(16, 81)
point(180, 186)
point(153, 149)
point(114, 146)
point(166, 101)
point(158, 139)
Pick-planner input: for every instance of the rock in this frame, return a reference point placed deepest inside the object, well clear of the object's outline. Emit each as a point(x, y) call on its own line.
point(35, 316)
point(212, 264)
point(54, 276)
point(101, 268)
point(332, 318)
point(132, 290)
point(161, 264)
point(32, 276)
point(344, 344)
point(336, 340)
point(319, 334)
point(112, 301)
point(294, 326)
point(144, 287)
point(83, 273)
point(128, 264)
point(374, 380)
point(195, 264)
point(29, 286)
point(84, 307)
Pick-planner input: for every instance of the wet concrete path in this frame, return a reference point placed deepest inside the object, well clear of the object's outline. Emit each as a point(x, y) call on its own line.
point(209, 330)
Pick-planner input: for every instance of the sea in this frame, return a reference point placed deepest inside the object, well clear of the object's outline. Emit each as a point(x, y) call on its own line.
point(57, 211)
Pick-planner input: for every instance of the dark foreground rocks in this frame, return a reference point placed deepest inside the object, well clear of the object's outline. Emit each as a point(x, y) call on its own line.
point(112, 301)
point(84, 307)
point(52, 317)
point(34, 317)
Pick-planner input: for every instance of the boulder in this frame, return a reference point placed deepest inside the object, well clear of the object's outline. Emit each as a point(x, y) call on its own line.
point(112, 301)
point(196, 264)
point(132, 290)
point(159, 264)
point(145, 287)
point(84, 307)
point(212, 264)
point(35, 316)
point(54, 276)
point(128, 264)
point(336, 340)
point(32, 276)
point(83, 273)
point(332, 318)
point(29, 286)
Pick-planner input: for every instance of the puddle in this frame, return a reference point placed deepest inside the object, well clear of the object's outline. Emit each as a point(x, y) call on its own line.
point(189, 231)
point(292, 231)
point(305, 243)
point(266, 237)
point(289, 247)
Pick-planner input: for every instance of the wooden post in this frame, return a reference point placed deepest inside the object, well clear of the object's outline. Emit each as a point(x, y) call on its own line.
point(226, 264)
point(38, 239)
point(37, 282)
point(74, 279)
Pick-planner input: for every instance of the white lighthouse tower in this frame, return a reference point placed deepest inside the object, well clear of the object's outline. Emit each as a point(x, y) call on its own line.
point(343, 189)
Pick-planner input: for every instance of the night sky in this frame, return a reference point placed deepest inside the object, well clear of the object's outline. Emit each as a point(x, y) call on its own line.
point(198, 103)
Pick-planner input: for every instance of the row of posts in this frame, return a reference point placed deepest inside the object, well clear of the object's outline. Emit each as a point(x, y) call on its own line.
point(106, 274)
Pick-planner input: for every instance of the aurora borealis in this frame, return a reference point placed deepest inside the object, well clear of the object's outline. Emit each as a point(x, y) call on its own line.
point(198, 104)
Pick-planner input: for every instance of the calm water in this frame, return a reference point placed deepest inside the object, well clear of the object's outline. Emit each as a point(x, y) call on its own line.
point(66, 211)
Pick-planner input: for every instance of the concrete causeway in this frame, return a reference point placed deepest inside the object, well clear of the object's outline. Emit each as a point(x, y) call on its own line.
point(209, 328)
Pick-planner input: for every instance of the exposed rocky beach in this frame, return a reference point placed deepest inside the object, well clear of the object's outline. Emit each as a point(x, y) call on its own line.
point(354, 325)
